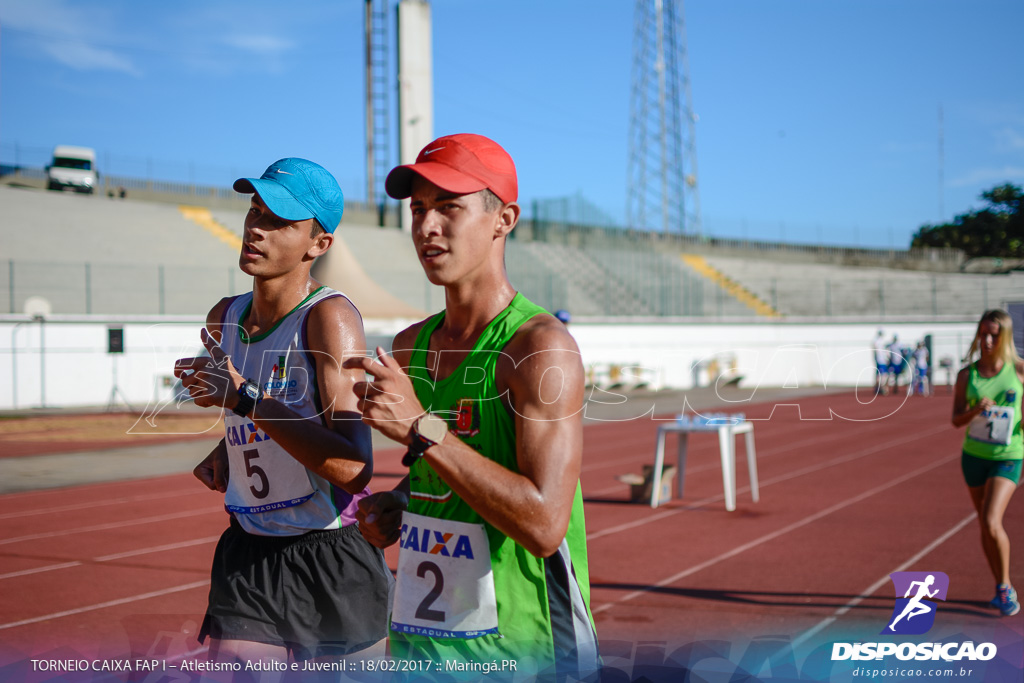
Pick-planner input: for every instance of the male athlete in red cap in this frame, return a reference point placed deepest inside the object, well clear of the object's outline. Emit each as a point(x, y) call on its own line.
point(487, 395)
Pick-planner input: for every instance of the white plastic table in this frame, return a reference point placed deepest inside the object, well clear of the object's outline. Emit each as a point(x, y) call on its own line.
point(727, 433)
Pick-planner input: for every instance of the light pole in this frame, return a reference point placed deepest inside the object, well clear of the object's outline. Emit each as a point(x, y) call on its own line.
point(37, 318)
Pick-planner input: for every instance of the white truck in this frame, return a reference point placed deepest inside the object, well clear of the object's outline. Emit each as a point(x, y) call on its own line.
point(72, 168)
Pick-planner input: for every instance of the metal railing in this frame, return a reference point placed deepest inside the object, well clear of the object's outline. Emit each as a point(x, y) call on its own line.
point(92, 288)
point(605, 283)
point(584, 236)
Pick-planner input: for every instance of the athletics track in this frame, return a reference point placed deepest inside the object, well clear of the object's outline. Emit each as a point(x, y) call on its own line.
point(118, 570)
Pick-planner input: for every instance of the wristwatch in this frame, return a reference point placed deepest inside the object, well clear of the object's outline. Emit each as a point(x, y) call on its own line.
point(428, 430)
point(249, 394)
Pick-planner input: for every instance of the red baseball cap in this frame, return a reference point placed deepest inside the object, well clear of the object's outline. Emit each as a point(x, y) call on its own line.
point(462, 163)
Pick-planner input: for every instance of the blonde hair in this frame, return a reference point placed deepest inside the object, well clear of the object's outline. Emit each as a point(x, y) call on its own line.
point(1005, 348)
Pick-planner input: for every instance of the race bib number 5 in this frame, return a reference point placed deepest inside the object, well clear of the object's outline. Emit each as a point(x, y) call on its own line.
point(445, 583)
point(994, 426)
point(264, 477)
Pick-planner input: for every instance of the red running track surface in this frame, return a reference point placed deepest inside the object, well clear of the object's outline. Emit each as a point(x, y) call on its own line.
point(121, 569)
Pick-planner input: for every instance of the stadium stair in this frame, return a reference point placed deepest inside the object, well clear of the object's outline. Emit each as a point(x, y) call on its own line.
point(730, 286)
point(591, 288)
point(203, 218)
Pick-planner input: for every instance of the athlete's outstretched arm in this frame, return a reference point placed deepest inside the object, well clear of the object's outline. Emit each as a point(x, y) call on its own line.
point(962, 413)
point(542, 376)
point(336, 446)
point(380, 514)
point(213, 470)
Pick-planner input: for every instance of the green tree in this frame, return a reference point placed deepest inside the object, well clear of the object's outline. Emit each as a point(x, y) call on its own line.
point(996, 230)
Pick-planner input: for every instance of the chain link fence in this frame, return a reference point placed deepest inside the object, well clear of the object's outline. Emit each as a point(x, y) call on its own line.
point(118, 289)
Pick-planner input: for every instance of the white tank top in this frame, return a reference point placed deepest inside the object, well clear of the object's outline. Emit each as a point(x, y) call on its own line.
point(271, 493)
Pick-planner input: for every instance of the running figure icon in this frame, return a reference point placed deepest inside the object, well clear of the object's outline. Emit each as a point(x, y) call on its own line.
point(915, 607)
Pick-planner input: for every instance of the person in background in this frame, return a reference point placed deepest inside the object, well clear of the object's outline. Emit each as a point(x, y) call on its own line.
point(987, 400)
point(919, 382)
point(881, 355)
point(896, 364)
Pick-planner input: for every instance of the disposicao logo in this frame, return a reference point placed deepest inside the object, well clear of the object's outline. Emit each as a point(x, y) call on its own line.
point(914, 612)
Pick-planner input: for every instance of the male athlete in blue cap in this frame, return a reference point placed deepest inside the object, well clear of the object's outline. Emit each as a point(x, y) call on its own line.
point(291, 575)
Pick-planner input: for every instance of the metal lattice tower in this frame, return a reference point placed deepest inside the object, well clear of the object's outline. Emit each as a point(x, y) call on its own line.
point(378, 104)
point(662, 192)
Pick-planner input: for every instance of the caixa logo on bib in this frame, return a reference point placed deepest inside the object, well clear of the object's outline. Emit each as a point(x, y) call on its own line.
point(916, 593)
point(435, 542)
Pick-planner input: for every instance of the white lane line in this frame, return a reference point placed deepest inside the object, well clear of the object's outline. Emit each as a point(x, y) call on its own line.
point(716, 464)
point(109, 603)
point(175, 658)
point(101, 503)
point(761, 454)
point(646, 457)
point(157, 549)
point(763, 484)
point(870, 590)
point(190, 653)
point(112, 525)
point(108, 558)
point(39, 570)
point(775, 534)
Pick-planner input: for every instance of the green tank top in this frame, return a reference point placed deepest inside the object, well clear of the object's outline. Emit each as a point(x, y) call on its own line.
point(996, 388)
point(543, 604)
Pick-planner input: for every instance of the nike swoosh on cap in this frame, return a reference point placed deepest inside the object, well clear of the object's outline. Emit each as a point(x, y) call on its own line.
point(277, 170)
point(431, 151)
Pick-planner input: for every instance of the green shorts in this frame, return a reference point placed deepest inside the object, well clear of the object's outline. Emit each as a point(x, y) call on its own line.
point(978, 470)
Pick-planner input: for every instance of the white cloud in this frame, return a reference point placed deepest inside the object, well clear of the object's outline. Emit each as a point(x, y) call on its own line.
point(69, 34)
point(258, 50)
point(266, 45)
point(85, 57)
point(1009, 139)
point(985, 176)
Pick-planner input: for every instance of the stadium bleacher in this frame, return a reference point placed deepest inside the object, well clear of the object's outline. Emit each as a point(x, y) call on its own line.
point(91, 254)
point(815, 289)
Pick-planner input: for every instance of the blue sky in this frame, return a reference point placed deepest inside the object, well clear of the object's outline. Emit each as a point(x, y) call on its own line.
point(818, 121)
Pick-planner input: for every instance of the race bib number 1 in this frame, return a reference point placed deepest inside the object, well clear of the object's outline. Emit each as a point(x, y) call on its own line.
point(994, 426)
point(445, 584)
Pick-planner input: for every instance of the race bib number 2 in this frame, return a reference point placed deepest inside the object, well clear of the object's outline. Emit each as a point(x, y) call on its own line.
point(445, 584)
point(994, 426)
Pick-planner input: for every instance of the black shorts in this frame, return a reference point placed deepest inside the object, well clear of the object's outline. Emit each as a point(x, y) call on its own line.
point(322, 593)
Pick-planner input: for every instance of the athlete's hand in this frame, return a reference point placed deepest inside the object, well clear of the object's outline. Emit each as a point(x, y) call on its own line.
point(388, 403)
point(213, 470)
point(211, 381)
point(380, 517)
point(985, 403)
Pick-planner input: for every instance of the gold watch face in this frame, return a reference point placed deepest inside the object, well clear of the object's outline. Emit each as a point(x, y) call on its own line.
point(432, 428)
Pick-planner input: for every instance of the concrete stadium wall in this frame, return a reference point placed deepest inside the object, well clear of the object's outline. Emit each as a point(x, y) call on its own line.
point(762, 353)
point(63, 361)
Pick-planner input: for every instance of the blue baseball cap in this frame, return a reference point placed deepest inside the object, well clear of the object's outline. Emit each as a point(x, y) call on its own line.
point(297, 189)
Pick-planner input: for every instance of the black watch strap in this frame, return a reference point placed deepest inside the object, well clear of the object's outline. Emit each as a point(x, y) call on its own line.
point(249, 395)
point(419, 443)
point(416, 450)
